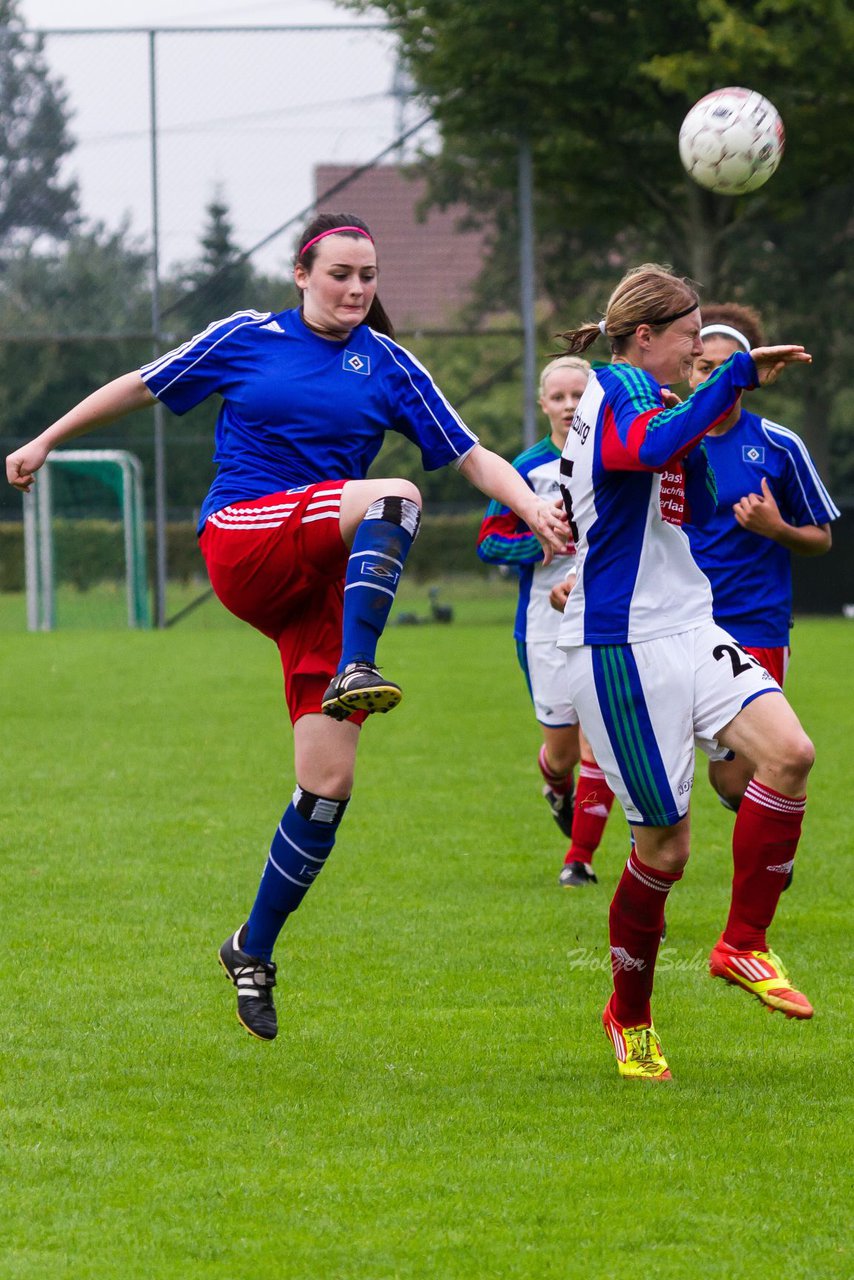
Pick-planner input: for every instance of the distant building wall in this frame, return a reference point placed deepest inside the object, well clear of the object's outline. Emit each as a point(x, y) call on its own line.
point(427, 267)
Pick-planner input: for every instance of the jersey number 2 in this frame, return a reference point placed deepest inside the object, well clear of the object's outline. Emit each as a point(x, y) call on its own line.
point(734, 652)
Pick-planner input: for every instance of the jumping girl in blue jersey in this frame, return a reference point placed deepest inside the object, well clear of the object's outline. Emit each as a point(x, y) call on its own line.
point(648, 670)
point(297, 542)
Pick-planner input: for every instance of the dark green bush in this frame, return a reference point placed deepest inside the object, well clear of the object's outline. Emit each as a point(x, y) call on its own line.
point(91, 551)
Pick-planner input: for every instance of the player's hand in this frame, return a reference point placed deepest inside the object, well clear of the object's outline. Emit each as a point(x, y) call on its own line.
point(759, 512)
point(771, 361)
point(22, 465)
point(550, 526)
point(670, 398)
point(560, 593)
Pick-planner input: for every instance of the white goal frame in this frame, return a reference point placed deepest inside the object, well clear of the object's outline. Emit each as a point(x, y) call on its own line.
point(39, 568)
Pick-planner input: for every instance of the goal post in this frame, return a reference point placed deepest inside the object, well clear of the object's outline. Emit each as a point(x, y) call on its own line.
point(121, 473)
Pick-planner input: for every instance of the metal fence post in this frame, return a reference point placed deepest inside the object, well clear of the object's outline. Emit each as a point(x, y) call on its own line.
point(527, 289)
point(161, 567)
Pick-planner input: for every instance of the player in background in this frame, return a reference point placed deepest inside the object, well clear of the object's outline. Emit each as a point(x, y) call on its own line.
point(771, 505)
point(580, 811)
point(297, 542)
point(648, 669)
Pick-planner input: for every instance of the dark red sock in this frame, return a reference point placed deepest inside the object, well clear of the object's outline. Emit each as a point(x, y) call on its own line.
point(764, 839)
point(560, 783)
point(637, 918)
point(593, 800)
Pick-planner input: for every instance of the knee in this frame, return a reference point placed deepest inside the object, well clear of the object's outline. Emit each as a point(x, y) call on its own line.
point(561, 757)
point(672, 861)
point(329, 782)
point(663, 850)
point(400, 488)
point(791, 761)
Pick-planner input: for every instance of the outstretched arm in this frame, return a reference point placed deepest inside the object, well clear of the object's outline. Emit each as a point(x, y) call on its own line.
point(497, 479)
point(121, 396)
point(648, 436)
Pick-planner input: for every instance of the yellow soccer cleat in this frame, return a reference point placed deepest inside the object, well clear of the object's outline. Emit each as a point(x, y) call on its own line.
point(638, 1049)
point(762, 974)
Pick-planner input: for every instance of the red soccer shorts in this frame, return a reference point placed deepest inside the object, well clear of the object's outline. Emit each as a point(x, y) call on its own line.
point(775, 661)
point(278, 562)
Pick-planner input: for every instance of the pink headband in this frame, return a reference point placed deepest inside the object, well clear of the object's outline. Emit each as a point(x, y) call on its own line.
point(334, 231)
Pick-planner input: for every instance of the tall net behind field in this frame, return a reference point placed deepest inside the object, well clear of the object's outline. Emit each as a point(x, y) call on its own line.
point(85, 542)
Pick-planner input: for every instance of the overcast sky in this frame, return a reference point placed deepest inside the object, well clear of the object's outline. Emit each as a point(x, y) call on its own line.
point(244, 114)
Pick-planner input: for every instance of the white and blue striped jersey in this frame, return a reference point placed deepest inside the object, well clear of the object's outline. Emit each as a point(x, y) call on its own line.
point(505, 539)
point(631, 472)
point(750, 575)
point(298, 408)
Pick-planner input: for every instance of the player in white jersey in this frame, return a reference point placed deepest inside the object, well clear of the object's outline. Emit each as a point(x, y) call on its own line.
point(297, 541)
point(648, 670)
point(580, 812)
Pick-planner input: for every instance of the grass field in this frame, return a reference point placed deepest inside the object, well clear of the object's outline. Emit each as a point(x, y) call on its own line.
point(441, 1102)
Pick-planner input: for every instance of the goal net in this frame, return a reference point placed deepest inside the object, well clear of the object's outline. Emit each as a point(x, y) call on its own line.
point(84, 542)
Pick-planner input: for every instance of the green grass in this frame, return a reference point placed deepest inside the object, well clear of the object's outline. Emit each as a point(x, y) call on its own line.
point(441, 1102)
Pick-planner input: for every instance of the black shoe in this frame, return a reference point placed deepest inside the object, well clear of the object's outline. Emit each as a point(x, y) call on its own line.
point(359, 687)
point(789, 878)
point(254, 980)
point(575, 875)
point(562, 807)
point(664, 931)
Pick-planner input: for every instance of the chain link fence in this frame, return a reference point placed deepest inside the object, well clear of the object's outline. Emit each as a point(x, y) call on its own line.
point(160, 180)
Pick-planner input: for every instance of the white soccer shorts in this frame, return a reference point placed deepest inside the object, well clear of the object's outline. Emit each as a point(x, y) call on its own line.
point(545, 671)
point(644, 707)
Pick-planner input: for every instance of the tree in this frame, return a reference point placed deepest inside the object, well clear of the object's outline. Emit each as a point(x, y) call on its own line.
point(601, 104)
point(34, 139)
point(221, 280)
point(599, 92)
point(71, 318)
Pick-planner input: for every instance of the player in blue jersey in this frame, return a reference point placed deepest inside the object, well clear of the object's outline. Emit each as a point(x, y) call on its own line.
point(581, 813)
point(297, 542)
point(648, 669)
point(771, 505)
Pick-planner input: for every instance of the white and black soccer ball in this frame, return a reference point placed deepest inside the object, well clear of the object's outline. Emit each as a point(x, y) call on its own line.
point(731, 141)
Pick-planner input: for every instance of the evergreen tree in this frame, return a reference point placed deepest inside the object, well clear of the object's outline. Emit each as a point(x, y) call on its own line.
point(221, 280)
point(34, 139)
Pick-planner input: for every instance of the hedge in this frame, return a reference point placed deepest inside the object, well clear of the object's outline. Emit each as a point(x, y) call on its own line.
point(91, 551)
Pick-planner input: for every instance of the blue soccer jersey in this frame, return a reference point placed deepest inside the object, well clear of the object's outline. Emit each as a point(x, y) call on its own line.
point(632, 471)
point(751, 576)
point(298, 408)
point(505, 539)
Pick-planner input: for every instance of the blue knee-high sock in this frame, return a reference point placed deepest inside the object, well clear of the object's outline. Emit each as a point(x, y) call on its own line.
point(301, 845)
point(380, 547)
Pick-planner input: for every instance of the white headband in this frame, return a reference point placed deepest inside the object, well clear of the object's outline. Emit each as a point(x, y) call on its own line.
point(725, 331)
point(601, 327)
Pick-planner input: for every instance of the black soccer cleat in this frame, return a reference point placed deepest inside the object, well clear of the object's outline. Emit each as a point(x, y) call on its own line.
point(359, 687)
point(562, 805)
point(576, 875)
point(254, 980)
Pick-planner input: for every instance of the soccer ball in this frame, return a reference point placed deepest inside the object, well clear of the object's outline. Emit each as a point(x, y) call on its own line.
point(731, 141)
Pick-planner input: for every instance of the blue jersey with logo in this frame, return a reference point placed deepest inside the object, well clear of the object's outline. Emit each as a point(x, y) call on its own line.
point(751, 576)
point(298, 408)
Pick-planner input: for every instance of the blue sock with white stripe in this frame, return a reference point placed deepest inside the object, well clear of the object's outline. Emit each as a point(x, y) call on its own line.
point(379, 550)
point(301, 845)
